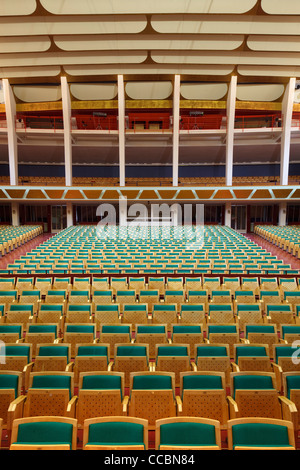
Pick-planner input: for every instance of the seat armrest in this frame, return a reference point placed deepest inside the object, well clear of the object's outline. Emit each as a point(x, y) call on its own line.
point(15, 410)
point(233, 407)
point(125, 404)
point(70, 367)
point(179, 404)
point(71, 408)
point(235, 367)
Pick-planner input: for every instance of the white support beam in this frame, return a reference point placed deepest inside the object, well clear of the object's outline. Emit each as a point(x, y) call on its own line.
point(176, 116)
point(10, 108)
point(282, 213)
point(227, 220)
point(286, 119)
point(15, 214)
point(231, 99)
point(66, 104)
point(69, 214)
point(121, 118)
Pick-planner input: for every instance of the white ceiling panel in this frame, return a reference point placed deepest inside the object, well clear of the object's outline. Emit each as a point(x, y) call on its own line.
point(230, 24)
point(149, 90)
point(268, 71)
point(49, 25)
point(54, 58)
point(17, 7)
point(264, 92)
point(274, 43)
point(94, 91)
point(153, 69)
point(238, 58)
point(203, 91)
point(148, 41)
point(29, 72)
point(97, 7)
point(37, 93)
point(279, 7)
point(17, 44)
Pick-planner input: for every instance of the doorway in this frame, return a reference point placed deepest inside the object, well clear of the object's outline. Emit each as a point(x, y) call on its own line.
point(58, 218)
point(239, 218)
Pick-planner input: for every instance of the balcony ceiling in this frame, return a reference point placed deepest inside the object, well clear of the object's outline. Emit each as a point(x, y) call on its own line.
point(202, 40)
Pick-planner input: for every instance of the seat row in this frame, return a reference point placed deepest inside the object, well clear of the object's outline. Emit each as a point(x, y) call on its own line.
point(152, 400)
point(135, 356)
point(137, 283)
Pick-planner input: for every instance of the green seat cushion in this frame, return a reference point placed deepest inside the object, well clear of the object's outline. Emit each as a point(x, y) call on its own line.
point(45, 433)
point(107, 308)
point(251, 351)
point(92, 351)
point(193, 308)
point(248, 308)
point(150, 329)
point(290, 329)
point(37, 328)
point(252, 382)
point(186, 329)
point(164, 307)
point(172, 351)
point(221, 329)
point(187, 434)
point(285, 351)
point(47, 382)
point(101, 382)
point(11, 329)
point(152, 382)
point(9, 381)
point(116, 433)
point(131, 351)
point(220, 307)
point(213, 351)
point(57, 351)
point(21, 308)
point(260, 434)
point(202, 382)
point(80, 329)
point(116, 329)
point(259, 329)
point(51, 308)
point(292, 383)
point(137, 307)
point(79, 308)
point(11, 350)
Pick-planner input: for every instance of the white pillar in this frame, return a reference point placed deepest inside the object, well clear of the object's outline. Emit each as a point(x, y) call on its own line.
point(227, 214)
point(121, 118)
point(287, 112)
point(69, 214)
point(10, 108)
point(123, 211)
point(176, 113)
point(15, 214)
point(66, 104)
point(231, 99)
point(282, 213)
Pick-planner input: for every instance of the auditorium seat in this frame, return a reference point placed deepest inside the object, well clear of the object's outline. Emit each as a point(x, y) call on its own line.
point(152, 396)
point(188, 433)
point(100, 394)
point(115, 433)
point(257, 433)
point(203, 394)
point(44, 433)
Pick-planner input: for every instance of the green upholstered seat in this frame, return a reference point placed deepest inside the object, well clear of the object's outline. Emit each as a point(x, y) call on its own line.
point(187, 434)
point(259, 435)
point(46, 433)
point(9, 381)
point(116, 433)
